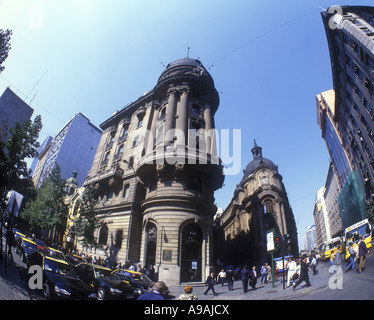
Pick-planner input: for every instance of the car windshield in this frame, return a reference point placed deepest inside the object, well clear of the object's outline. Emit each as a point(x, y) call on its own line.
point(104, 273)
point(140, 277)
point(58, 267)
point(55, 253)
point(28, 245)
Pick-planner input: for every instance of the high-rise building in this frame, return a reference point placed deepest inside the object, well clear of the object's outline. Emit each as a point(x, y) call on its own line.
point(72, 149)
point(311, 237)
point(350, 36)
point(155, 172)
point(13, 109)
point(320, 216)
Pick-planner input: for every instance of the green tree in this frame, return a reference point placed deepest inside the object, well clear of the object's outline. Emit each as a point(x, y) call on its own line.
point(89, 219)
point(14, 150)
point(370, 210)
point(48, 211)
point(4, 46)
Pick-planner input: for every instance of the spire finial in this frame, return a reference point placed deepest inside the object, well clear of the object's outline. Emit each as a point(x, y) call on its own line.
point(188, 52)
point(256, 150)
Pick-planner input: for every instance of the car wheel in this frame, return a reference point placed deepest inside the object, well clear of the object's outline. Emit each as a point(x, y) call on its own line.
point(139, 291)
point(47, 291)
point(100, 294)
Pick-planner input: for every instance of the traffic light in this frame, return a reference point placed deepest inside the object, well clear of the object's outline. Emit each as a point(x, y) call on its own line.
point(277, 243)
point(287, 239)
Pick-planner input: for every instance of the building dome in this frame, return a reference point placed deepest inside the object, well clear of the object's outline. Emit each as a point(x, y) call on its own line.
point(192, 72)
point(258, 162)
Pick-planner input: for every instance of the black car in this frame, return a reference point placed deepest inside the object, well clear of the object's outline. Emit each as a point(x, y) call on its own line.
point(137, 279)
point(60, 279)
point(106, 284)
point(25, 247)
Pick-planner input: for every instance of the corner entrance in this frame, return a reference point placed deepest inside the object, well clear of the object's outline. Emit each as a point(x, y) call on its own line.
point(191, 253)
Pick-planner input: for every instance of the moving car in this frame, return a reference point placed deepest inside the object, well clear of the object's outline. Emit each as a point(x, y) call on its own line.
point(137, 279)
point(106, 284)
point(59, 278)
point(25, 247)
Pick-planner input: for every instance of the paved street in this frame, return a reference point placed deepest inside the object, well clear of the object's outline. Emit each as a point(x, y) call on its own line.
point(355, 286)
point(352, 286)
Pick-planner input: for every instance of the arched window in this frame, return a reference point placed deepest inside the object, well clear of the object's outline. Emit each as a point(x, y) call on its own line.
point(103, 235)
point(268, 206)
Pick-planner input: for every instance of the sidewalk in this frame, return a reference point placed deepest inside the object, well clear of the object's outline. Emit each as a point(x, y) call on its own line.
point(11, 285)
point(263, 291)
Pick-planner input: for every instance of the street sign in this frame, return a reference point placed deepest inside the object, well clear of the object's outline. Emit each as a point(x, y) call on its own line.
point(270, 240)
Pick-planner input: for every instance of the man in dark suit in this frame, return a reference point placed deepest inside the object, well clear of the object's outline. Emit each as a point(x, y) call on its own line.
point(362, 250)
point(244, 277)
point(253, 278)
point(303, 273)
point(230, 279)
point(210, 283)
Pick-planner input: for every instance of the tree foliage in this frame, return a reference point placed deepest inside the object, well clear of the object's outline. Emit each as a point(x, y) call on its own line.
point(89, 219)
point(48, 210)
point(14, 150)
point(4, 46)
point(370, 210)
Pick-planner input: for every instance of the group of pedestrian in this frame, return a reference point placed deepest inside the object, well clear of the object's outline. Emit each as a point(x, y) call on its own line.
point(357, 254)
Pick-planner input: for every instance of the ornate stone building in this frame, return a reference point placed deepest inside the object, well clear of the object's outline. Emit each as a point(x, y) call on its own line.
point(155, 172)
point(259, 204)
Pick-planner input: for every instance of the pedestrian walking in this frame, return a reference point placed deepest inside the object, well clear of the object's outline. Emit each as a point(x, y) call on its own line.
point(253, 278)
point(313, 265)
point(332, 268)
point(230, 279)
point(10, 240)
point(337, 259)
point(187, 295)
point(303, 274)
point(210, 281)
point(291, 270)
point(351, 258)
point(244, 277)
point(221, 277)
point(362, 250)
point(264, 273)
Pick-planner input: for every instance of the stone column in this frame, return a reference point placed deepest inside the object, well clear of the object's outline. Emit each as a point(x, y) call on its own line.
point(209, 124)
point(182, 120)
point(170, 117)
point(151, 141)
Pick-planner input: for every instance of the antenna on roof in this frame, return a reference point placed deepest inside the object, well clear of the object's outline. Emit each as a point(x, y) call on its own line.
point(188, 52)
point(163, 64)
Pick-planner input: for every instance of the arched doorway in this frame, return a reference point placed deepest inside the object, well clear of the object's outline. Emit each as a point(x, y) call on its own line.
point(191, 257)
point(150, 249)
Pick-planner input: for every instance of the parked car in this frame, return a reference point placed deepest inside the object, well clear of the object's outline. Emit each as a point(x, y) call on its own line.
point(74, 259)
point(137, 279)
point(59, 278)
point(25, 247)
point(106, 284)
point(54, 253)
point(41, 244)
point(18, 234)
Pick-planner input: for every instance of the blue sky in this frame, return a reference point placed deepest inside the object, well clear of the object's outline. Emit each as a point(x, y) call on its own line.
point(268, 60)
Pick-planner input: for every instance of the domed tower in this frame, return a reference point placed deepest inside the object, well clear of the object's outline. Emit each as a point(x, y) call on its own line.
point(259, 204)
point(181, 171)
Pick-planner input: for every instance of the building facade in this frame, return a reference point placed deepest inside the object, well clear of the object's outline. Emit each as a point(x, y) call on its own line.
point(155, 172)
point(259, 204)
point(350, 36)
point(311, 237)
point(72, 149)
point(13, 109)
